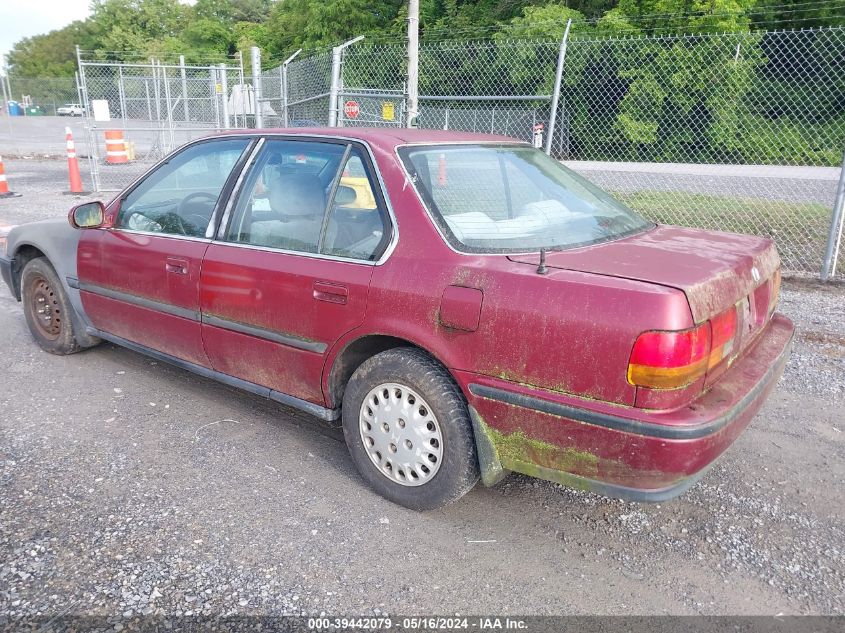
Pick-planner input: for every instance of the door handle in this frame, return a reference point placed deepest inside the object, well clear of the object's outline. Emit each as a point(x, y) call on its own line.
point(177, 266)
point(333, 293)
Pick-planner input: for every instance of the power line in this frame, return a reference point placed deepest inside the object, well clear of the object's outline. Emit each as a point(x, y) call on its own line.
point(634, 20)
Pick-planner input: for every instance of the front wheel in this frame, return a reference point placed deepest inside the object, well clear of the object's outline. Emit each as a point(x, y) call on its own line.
point(407, 428)
point(47, 308)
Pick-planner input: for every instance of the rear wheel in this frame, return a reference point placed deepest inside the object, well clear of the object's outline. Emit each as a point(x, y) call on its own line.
point(47, 308)
point(408, 430)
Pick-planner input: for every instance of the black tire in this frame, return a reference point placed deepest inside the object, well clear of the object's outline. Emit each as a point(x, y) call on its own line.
point(42, 290)
point(458, 470)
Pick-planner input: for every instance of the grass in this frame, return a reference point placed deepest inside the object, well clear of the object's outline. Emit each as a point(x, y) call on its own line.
point(800, 229)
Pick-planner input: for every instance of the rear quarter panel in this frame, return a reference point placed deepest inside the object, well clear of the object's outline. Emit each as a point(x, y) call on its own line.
point(566, 331)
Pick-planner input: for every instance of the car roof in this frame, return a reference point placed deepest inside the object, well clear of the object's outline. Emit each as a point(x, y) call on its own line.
point(387, 137)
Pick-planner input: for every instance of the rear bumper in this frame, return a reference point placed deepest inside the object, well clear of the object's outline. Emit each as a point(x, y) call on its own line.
point(636, 454)
point(6, 273)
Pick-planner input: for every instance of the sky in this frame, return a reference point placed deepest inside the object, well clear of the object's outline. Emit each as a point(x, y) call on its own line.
point(24, 18)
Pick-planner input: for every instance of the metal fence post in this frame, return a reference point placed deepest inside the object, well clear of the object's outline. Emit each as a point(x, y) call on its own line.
point(212, 87)
point(90, 126)
point(561, 58)
point(184, 88)
point(413, 62)
point(6, 99)
point(334, 89)
point(337, 82)
point(255, 60)
point(834, 238)
point(121, 95)
point(224, 97)
point(285, 64)
point(285, 116)
point(149, 104)
point(78, 88)
point(241, 89)
point(156, 91)
point(168, 105)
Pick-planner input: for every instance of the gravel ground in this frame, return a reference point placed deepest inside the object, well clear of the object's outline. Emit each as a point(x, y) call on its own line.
point(130, 487)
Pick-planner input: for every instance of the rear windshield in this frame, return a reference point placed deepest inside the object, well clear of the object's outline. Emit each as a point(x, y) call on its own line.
point(512, 198)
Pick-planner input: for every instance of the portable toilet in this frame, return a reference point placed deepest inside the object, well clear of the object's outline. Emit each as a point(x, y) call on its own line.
point(15, 109)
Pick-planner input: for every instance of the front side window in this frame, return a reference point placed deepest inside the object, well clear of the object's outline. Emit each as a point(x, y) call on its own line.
point(512, 198)
point(179, 197)
point(310, 197)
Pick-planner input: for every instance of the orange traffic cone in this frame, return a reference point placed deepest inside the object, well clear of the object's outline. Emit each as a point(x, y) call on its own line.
point(4, 186)
point(116, 153)
point(72, 164)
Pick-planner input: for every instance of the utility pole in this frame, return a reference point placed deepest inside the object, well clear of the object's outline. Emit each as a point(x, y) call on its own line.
point(413, 61)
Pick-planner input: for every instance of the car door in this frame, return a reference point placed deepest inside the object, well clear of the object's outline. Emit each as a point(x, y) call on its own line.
point(139, 280)
point(290, 272)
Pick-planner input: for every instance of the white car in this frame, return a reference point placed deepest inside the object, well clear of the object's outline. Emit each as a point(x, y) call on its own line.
point(70, 109)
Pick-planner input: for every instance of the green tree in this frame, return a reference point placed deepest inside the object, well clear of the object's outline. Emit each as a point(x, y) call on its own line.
point(52, 54)
point(125, 27)
point(315, 23)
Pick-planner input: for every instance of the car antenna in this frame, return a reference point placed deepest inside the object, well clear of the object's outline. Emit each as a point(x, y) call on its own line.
point(542, 269)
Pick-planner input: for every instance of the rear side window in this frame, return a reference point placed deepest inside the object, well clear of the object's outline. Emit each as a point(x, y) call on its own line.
point(356, 225)
point(513, 198)
point(179, 197)
point(310, 197)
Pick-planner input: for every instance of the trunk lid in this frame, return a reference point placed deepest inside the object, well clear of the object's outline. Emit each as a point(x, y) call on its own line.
point(714, 270)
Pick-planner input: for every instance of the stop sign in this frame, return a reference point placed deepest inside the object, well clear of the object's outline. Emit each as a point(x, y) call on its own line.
point(351, 109)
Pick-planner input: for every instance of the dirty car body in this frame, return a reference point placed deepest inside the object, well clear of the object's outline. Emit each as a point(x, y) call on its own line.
point(580, 343)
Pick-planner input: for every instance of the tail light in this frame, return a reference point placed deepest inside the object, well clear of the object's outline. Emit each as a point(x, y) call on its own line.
point(668, 360)
point(674, 359)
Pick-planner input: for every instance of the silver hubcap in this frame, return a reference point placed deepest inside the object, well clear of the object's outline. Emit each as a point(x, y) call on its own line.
point(401, 434)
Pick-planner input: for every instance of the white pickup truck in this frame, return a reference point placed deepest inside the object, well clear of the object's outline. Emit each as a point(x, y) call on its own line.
point(70, 109)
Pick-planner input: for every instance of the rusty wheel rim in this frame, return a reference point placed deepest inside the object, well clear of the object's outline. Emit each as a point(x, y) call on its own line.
point(45, 309)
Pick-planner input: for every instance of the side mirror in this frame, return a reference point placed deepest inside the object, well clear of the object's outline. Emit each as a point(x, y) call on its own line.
point(88, 215)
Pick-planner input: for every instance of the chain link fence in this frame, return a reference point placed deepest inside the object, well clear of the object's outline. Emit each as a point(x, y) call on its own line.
point(298, 92)
point(42, 96)
point(148, 110)
point(733, 131)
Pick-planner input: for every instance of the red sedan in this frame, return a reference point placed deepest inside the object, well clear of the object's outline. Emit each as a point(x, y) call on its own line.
point(465, 304)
